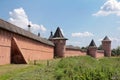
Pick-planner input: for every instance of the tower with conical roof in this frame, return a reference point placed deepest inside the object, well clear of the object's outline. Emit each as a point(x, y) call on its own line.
point(92, 49)
point(106, 46)
point(59, 41)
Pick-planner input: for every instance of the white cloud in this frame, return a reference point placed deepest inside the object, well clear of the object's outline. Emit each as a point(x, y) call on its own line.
point(109, 7)
point(113, 39)
point(19, 17)
point(100, 39)
point(62, 31)
point(84, 34)
point(73, 42)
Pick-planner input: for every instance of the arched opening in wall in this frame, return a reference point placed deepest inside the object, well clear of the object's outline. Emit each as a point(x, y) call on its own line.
point(16, 55)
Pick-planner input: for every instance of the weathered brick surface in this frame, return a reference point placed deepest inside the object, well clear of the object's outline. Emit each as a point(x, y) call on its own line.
point(4, 55)
point(106, 45)
point(74, 52)
point(31, 49)
point(16, 53)
point(100, 53)
point(5, 46)
point(60, 47)
point(92, 51)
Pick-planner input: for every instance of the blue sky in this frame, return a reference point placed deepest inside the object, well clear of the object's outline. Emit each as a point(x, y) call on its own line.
point(80, 20)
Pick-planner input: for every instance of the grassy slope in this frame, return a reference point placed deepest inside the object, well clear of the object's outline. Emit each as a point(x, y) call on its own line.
point(73, 68)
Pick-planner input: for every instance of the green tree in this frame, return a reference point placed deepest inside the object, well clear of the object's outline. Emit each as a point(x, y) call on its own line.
point(116, 52)
point(100, 47)
point(84, 48)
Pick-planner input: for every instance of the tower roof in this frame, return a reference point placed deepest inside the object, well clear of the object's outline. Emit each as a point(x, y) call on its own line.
point(58, 34)
point(4, 25)
point(92, 44)
point(106, 39)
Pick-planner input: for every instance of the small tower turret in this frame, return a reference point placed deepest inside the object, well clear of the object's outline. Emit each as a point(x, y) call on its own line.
point(51, 35)
point(60, 42)
point(92, 49)
point(106, 46)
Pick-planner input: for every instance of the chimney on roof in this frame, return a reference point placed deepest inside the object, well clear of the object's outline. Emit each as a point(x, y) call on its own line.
point(29, 26)
point(51, 35)
point(38, 34)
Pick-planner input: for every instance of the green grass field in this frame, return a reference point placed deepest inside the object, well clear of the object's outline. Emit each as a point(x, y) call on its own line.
point(72, 68)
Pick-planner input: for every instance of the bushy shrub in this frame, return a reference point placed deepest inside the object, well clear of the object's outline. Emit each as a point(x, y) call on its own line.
point(116, 51)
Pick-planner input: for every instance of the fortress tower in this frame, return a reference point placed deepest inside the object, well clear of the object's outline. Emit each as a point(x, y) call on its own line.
point(59, 42)
point(106, 46)
point(92, 49)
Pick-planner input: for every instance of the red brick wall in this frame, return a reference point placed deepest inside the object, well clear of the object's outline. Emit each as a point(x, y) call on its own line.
point(31, 49)
point(5, 46)
point(74, 52)
point(59, 49)
point(100, 53)
point(92, 51)
point(4, 54)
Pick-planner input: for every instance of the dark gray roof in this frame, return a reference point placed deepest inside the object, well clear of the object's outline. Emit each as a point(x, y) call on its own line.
point(14, 29)
point(106, 39)
point(73, 47)
point(58, 34)
point(92, 44)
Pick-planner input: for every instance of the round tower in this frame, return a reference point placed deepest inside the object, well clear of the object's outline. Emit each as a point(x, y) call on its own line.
point(106, 46)
point(59, 42)
point(92, 49)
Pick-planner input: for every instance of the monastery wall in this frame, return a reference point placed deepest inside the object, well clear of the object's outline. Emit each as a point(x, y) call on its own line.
point(5, 47)
point(20, 46)
point(74, 52)
point(100, 53)
point(34, 50)
point(29, 48)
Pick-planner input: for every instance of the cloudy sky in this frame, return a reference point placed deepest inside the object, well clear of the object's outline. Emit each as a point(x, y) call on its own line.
point(80, 20)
